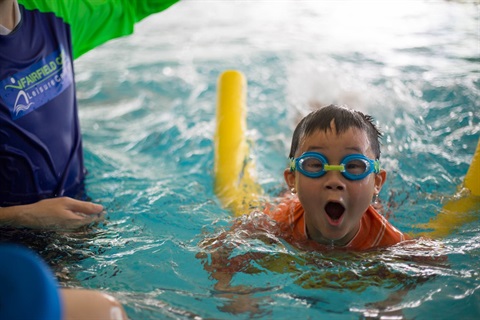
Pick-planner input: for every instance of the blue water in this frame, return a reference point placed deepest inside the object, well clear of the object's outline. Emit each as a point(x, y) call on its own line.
point(148, 116)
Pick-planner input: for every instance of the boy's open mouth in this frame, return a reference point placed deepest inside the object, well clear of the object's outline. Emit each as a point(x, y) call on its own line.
point(334, 210)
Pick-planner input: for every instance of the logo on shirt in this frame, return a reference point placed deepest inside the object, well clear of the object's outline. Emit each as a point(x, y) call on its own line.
point(31, 88)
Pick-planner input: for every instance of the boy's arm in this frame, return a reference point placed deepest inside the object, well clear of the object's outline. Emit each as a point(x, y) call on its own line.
point(94, 22)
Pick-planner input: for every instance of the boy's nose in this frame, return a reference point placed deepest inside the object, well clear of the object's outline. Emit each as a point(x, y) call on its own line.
point(334, 181)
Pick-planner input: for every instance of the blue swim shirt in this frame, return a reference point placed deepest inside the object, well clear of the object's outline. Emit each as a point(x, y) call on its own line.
point(40, 138)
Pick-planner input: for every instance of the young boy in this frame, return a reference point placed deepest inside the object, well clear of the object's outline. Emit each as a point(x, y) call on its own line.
point(334, 176)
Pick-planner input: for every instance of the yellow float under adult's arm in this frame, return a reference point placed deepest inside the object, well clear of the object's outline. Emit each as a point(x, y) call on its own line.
point(234, 169)
point(463, 209)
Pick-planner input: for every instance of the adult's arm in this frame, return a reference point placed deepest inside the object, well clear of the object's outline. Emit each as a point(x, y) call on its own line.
point(94, 22)
point(55, 213)
point(90, 304)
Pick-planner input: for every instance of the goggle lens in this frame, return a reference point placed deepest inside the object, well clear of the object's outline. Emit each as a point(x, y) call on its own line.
point(311, 164)
point(357, 166)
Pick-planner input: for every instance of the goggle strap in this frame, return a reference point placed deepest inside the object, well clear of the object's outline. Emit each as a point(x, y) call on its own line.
point(292, 164)
point(376, 166)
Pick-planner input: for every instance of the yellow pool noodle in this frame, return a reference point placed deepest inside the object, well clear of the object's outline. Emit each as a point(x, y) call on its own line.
point(472, 179)
point(462, 209)
point(234, 170)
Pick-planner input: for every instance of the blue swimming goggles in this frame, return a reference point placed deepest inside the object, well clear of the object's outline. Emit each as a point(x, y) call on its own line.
point(352, 167)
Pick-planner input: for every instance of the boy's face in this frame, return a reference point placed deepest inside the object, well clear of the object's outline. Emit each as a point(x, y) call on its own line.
point(333, 204)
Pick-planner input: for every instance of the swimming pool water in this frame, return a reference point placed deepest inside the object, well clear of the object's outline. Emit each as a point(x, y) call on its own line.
point(148, 117)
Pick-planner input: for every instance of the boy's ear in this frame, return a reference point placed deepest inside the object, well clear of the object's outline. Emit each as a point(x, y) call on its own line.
point(289, 176)
point(380, 179)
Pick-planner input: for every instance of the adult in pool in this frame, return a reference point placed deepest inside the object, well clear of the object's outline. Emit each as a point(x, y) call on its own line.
point(41, 159)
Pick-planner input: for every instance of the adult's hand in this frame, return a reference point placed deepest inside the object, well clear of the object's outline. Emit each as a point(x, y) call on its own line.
point(55, 213)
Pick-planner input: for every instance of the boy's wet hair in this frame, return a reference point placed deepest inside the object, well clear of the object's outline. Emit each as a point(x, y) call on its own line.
point(344, 119)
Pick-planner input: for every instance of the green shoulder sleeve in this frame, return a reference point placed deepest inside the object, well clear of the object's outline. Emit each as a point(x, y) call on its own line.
point(94, 22)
